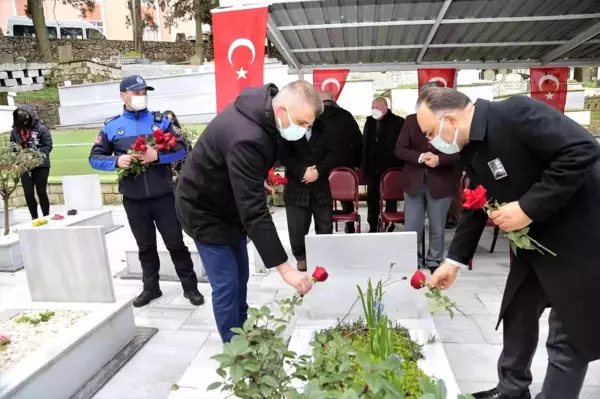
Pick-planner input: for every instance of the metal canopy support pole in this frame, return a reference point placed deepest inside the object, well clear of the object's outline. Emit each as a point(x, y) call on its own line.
point(281, 44)
point(434, 29)
point(571, 44)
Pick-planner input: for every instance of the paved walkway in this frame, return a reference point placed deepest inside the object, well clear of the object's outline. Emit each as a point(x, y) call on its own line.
point(175, 363)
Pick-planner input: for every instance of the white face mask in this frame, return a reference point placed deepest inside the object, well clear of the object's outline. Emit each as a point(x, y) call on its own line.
point(377, 114)
point(293, 132)
point(441, 145)
point(139, 103)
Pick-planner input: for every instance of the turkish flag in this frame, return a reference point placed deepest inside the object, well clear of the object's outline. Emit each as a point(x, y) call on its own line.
point(239, 45)
point(330, 79)
point(444, 77)
point(550, 86)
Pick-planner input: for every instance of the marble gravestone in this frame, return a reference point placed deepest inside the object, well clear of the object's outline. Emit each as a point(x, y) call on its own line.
point(83, 192)
point(67, 264)
point(353, 259)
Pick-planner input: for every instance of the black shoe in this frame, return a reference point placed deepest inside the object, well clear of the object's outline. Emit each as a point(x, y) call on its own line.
point(146, 297)
point(301, 265)
point(390, 227)
point(350, 229)
point(451, 224)
point(494, 394)
point(195, 297)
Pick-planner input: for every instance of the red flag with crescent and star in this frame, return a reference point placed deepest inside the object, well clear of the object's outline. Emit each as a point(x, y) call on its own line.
point(239, 45)
point(330, 79)
point(550, 86)
point(444, 77)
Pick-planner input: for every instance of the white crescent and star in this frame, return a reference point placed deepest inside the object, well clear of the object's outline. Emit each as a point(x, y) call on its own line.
point(241, 42)
point(333, 81)
point(554, 79)
point(441, 80)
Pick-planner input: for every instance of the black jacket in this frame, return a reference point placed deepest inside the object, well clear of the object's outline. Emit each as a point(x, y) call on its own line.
point(345, 134)
point(38, 138)
point(296, 156)
point(379, 143)
point(118, 136)
point(552, 169)
point(220, 196)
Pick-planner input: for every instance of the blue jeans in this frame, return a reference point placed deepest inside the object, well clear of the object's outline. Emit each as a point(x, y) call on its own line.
point(228, 272)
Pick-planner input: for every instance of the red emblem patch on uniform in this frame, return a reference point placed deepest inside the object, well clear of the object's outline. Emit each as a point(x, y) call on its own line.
point(98, 139)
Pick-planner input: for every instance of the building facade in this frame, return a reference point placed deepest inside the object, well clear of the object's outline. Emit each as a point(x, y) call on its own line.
point(109, 16)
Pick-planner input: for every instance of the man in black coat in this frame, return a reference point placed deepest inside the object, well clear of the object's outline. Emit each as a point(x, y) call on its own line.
point(307, 164)
point(347, 140)
point(545, 168)
point(380, 135)
point(221, 194)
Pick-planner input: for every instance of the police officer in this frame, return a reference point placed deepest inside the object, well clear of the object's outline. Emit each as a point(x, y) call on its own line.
point(148, 198)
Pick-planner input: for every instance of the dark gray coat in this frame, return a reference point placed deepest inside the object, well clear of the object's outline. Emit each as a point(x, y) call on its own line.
point(553, 170)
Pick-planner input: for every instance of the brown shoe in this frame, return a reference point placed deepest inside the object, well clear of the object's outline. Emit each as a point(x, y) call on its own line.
point(301, 265)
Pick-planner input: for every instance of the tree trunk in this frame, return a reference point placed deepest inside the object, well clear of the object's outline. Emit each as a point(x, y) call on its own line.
point(138, 27)
point(6, 216)
point(198, 14)
point(36, 10)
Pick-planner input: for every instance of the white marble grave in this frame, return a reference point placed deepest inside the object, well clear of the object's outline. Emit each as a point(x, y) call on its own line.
point(67, 264)
point(83, 192)
point(352, 259)
point(10, 248)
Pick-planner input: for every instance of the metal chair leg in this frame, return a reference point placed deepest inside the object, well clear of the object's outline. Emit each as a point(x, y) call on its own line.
point(496, 232)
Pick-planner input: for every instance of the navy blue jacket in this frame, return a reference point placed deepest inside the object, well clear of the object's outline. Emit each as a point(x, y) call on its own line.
point(39, 137)
point(118, 136)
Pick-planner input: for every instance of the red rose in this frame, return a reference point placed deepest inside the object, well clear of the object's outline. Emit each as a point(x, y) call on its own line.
point(418, 280)
point(168, 137)
point(320, 274)
point(272, 177)
point(474, 199)
point(172, 143)
point(140, 140)
point(158, 136)
point(135, 147)
point(282, 180)
point(143, 148)
point(160, 147)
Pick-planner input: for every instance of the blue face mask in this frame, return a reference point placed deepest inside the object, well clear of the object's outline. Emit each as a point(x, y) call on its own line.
point(441, 145)
point(293, 132)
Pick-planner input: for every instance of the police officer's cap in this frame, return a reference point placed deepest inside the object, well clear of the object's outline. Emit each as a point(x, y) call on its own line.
point(134, 83)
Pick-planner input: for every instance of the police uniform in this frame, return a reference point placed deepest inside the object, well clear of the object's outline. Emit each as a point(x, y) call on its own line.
point(148, 198)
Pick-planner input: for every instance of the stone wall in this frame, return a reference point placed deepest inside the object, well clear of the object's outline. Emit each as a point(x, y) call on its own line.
point(83, 72)
point(102, 49)
point(110, 195)
point(23, 76)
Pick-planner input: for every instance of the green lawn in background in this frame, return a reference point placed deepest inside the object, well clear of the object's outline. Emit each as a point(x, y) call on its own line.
point(74, 160)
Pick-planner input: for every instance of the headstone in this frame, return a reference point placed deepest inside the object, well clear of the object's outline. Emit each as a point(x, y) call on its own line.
point(489, 74)
point(6, 59)
point(511, 83)
point(67, 264)
point(353, 259)
point(65, 53)
point(83, 192)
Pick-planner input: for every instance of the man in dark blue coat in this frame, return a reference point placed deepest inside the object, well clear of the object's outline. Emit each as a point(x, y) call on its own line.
point(148, 198)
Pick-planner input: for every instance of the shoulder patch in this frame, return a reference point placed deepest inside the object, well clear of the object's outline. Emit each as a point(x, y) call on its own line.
point(111, 119)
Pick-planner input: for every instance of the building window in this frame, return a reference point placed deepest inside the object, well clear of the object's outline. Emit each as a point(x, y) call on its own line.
point(99, 25)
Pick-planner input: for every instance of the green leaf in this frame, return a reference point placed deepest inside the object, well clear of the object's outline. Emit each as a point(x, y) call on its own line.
point(221, 372)
point(280, 330)
point(270, 381)
point(252, 366)
point(526, 242)
point(221, 357)
point(238, 345)
point(442, 392)
point(265, 311)
point(213, 386)
point(350, 394)
point(525, 230)
point(236, 372)
point(429, 396)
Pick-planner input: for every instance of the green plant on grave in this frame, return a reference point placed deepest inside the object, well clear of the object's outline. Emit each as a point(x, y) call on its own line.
point(35, 319)
point(131, 54)
point(14, 161)
point(377, 322)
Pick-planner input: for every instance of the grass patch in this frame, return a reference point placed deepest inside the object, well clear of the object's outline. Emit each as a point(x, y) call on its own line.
point(46, 94)
point(595, 115)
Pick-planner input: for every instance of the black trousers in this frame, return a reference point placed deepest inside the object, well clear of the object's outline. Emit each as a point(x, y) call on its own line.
point(347, 207)
point(566, 369)
point(299, 219)
point(147, 215)
point(36, 180)
point(373, 183)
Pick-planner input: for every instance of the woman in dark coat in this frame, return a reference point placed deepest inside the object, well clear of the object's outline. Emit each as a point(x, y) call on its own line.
point(29, 132)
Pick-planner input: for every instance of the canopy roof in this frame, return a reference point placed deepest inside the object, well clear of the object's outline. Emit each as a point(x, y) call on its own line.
point(381, 35)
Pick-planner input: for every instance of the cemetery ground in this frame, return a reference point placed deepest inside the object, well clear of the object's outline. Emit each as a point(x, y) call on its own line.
point(176, 364)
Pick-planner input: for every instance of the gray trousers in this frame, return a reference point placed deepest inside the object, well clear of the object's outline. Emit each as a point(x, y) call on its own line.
point(437, 211)
point(566, 369)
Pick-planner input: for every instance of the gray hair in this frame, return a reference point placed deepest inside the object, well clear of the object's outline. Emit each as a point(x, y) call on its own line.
point(429, 85)
point(298, 94)
point(441, 99)
point(381, 100)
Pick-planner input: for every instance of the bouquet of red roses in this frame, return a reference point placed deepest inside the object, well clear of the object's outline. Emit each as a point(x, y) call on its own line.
point(164, 142)
point(161, 142)
point(477, 199)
